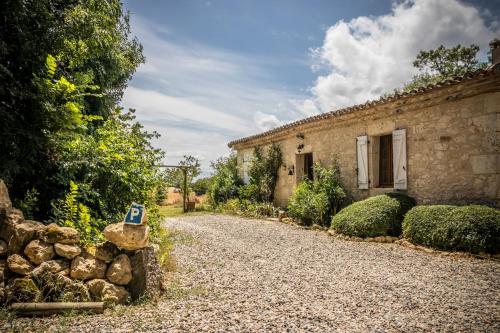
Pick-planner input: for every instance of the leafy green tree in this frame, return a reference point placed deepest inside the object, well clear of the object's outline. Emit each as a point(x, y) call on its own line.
point(175, 176)
point(443, 63)
point(225, 180)
point(263, 174)
point(62, 62)
point(201, 186)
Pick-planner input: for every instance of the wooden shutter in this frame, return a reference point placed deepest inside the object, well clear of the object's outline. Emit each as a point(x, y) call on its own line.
point(362, 156)
point(399, 158)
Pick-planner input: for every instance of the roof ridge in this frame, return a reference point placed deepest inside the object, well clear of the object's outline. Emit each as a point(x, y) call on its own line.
point(382, 99)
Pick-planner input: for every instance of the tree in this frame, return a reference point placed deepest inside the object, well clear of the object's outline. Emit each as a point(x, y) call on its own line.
point(201, 186)
point(225, 180)
point(263, 174)
point(175, 176)
point(87, 44)
point(442, 64)
point(66, 145)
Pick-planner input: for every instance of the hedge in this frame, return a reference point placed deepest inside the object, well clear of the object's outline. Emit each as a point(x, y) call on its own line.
point(380, 215)
point(471, 228)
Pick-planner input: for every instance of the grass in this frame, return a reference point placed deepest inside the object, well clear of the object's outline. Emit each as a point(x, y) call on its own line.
point(176, 211)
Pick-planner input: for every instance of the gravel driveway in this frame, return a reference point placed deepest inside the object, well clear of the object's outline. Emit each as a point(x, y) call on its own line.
point(240, 275)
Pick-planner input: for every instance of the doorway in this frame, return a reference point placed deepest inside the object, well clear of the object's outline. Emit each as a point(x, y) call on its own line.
point(305, 167)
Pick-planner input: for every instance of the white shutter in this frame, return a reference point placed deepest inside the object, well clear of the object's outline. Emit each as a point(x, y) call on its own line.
point(362, 156)
point(399, 159)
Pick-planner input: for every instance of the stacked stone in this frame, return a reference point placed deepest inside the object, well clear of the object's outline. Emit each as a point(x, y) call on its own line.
point(41, 262)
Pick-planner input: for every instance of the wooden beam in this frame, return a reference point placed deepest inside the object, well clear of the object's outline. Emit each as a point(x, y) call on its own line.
point(45, 309)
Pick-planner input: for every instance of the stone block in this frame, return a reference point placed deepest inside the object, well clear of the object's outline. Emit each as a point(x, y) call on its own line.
point(485, 164)
point(147, 275)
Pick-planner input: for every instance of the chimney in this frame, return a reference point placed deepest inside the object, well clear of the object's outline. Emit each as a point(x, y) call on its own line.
point(495, 51)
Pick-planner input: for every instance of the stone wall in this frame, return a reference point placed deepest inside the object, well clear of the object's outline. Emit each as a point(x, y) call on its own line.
point(46, 262)
point(452, 144)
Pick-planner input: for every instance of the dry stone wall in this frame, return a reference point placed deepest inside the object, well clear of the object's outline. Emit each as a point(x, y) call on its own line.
point(40, 262)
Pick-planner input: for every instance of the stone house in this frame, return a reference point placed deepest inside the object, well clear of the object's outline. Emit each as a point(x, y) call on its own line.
point(438, 144)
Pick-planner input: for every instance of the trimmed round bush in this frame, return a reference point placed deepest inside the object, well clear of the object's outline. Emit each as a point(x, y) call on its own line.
point(405, 204)
point(421, 222)
point(375, 216)
point(471, 228)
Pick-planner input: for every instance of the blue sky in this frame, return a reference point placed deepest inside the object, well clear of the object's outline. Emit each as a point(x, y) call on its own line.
point(218, 70)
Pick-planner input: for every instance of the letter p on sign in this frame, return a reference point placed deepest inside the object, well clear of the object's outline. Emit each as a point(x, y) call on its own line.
point(136, 214)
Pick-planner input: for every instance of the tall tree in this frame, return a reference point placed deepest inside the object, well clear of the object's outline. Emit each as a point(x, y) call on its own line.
point(444, 63)
point(88, 46)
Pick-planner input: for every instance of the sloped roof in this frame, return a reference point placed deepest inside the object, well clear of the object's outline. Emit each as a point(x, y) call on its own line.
point(368, 104)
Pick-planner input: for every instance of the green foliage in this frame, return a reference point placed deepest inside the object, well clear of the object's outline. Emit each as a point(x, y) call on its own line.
point(329, 182)
point(29, 205)
point(405, 204)
point(249, 192)
point(175, 176)
point(69, 212)
point(64, 67)
point(263, 173)
point(306, 205)
point(248, 208)
point(201, 186)
point(313, 202)
point(443, 64)
point(114, 166)
point(371, 217)
point(230, 206)
point(471, 228)
point(224, 181)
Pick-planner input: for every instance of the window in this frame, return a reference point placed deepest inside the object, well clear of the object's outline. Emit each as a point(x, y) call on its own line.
point(387, 161)
point(386, 174)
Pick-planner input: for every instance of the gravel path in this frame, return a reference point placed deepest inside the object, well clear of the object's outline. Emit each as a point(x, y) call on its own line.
point(239, 275)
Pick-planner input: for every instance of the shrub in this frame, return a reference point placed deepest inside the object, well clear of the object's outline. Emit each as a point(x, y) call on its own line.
point(313, 202)
point(421, 222)
point(375, 216)
point(248, 208)
point(471, 228)
point(231, 206)
point(406, 203)
point(248, 192)
point(263, 173)
point(307, 206)
point(328, 181)
point(225, 180)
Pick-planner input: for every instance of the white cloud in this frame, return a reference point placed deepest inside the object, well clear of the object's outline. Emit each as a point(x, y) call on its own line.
point(266, 121)
point(199, 98)
point(155, 106)
point(368, 56)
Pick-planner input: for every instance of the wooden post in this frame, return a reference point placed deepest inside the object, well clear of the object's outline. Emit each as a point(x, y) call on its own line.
point(184, 169)
point(184, 194)
point(44, 309)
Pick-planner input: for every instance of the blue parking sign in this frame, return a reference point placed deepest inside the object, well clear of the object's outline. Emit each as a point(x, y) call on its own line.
point(135, 214)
